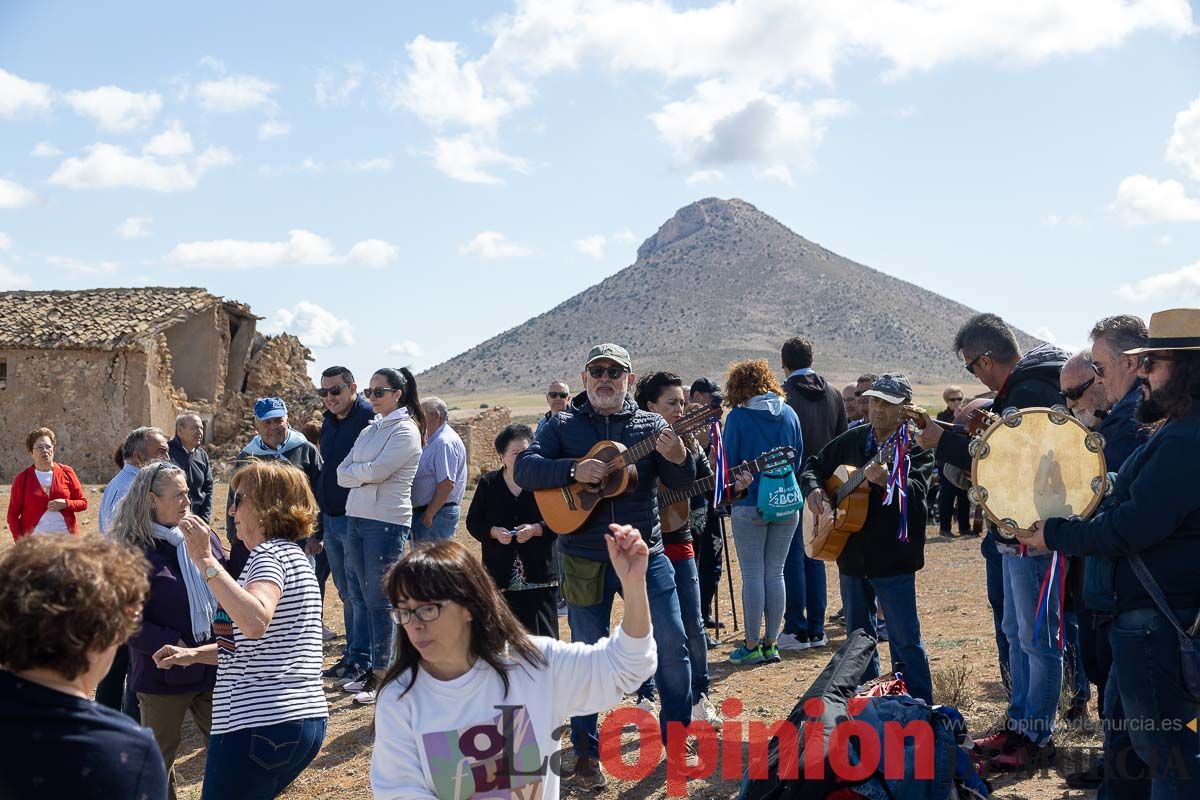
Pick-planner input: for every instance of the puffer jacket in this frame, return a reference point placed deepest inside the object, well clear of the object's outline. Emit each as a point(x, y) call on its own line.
point(568, 435)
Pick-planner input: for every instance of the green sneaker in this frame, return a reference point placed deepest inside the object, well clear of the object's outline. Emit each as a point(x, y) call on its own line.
point(770, 653)
point(743, 656)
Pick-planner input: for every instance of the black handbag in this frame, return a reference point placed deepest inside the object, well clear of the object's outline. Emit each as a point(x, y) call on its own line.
point(1189, 640)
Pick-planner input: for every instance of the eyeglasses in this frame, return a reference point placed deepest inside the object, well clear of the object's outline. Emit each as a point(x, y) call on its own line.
point(953, 399)
point(378, 392)
point(1148, 361)
point(970, 365)
point(336, 391)
point(599, 372)
point(425, 613)
point(558, 395)
point(235, 501)
point(1076, 392)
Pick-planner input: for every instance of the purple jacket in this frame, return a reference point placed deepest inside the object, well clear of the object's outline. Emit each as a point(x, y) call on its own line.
point(165, 620)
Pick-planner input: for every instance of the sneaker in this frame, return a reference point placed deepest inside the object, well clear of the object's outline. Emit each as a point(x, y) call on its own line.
point(744, 656)
point(327, 635)
point(710, 642)
point(838, 617)
point(1025, 756)
point(712, 624)
point(341, 669)
point(818, 640)
point(691, 758)
point(356, 675)
point(881, 633)
point(647, 704)
point(358, 684)
point(770, 653)
point(999, 742)
point(588, 775)
point(945, 533)
point(705, 711)
point(366, 696)
point(562, 607)
point(793, 641)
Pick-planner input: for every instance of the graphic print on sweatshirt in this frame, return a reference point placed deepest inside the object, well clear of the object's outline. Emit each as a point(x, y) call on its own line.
point(222, 628)
point(471, 763)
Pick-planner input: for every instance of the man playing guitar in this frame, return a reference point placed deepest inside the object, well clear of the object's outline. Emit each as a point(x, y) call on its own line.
point(881, 560)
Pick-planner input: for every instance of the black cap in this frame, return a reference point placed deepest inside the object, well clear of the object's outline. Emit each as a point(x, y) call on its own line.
point(705, 386)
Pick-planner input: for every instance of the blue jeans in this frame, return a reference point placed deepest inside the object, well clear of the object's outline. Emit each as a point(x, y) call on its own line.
point(259, 763)
point(1157, 760)
point(994, 570)
point(371, 549)
point(804, 583)
point(589, 624)
point(897, 595)
point(762, 549)
point(687, 587)
point(1034, 659)
point(358, 635)
point(444, 523)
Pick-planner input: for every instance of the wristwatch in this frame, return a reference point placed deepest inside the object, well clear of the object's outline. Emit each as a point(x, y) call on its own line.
point(571, 474)
point(211, 572)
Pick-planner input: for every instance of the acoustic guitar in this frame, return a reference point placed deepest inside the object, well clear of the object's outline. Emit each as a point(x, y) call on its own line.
point(566, 508)
point(849, 499)
point(673, 507)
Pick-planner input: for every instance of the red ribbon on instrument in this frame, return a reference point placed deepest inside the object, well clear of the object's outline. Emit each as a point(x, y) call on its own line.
point(720, 468)
point(1056, 578)
point(897, 483)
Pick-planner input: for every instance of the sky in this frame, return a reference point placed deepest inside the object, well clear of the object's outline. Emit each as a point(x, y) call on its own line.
point(396, 182)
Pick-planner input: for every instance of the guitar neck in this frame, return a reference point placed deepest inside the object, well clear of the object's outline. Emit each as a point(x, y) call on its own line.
point(857, 478)
point(704, 485)
point(645, 447)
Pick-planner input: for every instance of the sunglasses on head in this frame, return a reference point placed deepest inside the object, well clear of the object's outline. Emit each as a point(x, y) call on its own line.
point(970, 365)
point(557, 395)
point(378, 392)
point(599, 372)
point(1076, 392)
point(336, 391)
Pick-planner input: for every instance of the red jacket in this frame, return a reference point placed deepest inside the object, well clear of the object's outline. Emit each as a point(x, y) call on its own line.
point(27, 501)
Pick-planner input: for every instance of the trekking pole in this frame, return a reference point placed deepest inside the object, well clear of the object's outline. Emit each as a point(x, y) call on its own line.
point(728, 570)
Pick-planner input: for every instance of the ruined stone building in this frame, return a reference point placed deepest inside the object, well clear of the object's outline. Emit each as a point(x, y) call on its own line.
point(92, 365)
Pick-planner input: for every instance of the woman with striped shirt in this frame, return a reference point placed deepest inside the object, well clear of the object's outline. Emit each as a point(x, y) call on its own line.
point(269, 710)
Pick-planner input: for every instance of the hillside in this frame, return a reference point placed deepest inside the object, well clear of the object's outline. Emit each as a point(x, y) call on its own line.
point(722, 281)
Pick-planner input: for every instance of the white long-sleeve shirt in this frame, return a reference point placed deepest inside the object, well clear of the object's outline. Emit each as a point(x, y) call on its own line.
point(445, 739)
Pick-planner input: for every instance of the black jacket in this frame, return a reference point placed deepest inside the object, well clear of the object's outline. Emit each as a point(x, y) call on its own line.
point(493, 505)
point(1154, 511)
point(199, 477)
point(337, 439)
point(568, 435)
point(875, 551)
point(820, 408)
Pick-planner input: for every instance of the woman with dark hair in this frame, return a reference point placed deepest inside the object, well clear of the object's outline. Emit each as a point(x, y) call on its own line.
point(473, 705)
point(46, 496)
point(66, 605)
point(518, 549)
point(269, 710)
point(1149, 530)
point(379, 473)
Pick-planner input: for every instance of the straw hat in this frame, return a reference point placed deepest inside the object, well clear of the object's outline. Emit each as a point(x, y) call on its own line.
point(1176, 329)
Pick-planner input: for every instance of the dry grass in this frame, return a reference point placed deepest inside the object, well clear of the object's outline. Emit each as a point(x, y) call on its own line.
point(956, 625)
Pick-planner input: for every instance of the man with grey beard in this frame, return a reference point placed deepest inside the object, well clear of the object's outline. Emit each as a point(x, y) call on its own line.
point(1085, 396)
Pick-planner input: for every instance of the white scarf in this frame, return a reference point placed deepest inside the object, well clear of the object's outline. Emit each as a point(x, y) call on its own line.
point(201, 603)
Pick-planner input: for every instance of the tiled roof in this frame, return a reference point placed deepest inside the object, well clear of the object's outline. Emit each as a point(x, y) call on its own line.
point(94, 319)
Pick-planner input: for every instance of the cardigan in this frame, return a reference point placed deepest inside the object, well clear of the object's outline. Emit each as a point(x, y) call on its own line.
point(28, 501)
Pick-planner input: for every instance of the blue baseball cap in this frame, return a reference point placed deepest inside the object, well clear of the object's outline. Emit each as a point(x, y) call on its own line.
point(269, 408)
point(893, 388)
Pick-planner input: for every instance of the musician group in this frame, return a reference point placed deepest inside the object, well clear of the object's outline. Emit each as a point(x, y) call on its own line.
point(1114, 588)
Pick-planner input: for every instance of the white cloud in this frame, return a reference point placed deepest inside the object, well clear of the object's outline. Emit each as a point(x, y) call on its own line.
point(492, 245)
point(78, 267)
point(108, 166)
point(1183, 148)
point(1142, 200)
point(45, 150)
point(441, 91)
point(591, 246)
point(405, 347)
point(228, 93)
point(19, 96)
point(11, 280)
point(314, 325)
point(705, 176)
point(303, 248)
point(174, 141)
point(309, 165)
point(5, 241)
point(115, 109)
point(14, 195)
point(214, 157)
point(1182, 283)
point(332, 89)
point(1047, 335)
point(383, 164)
point(778, 172)
point(1165, 240)
point(272, 129)
point(624, 236)
point(468, 158)
point(134, 228)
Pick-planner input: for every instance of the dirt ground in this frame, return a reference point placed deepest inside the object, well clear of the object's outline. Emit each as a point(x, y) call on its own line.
point(956, 625)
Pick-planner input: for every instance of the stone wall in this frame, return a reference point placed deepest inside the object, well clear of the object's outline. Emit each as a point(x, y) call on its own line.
point(478, 432)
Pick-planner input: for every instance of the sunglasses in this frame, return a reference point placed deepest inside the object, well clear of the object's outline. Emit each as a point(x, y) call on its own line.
point(953, 399)
point(599, 372)
point(970, 365)
point(235, 501)
point(336, 391)
point(1148, 361)
point(1076, 392)
point(425, 613)
point(558, 395)
point(378, 392)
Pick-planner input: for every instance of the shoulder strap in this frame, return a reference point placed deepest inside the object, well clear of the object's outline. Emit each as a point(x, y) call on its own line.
point(1143, 575)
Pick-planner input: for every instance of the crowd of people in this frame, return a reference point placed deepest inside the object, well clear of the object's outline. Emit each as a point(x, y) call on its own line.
point(159, 619)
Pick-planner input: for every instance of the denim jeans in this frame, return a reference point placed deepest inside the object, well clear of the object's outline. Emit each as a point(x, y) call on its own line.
point(259, 763)
point(1149, 750)
point(1034, 660)
point(897, 595)
point(762, 549)
point(994, 570)
point(804, 583)
point(358, 634)
point(589, 624)
point(371, 548)
point(444, 523)
point(687, 587)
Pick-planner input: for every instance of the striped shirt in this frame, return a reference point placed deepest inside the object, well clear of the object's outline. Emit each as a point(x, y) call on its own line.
point(277, 677)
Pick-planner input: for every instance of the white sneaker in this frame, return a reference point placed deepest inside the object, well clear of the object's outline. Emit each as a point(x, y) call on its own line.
point(692, 759)
point(704, 710)
point(647, 705)
point(790, 641)
point(354, 687)
point(366, 698)
point(822, 642)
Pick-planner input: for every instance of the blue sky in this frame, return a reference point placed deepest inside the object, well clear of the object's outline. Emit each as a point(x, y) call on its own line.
point(397, 182)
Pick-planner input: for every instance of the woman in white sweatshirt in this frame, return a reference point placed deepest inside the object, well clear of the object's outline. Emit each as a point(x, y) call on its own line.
point(473, 704)
point(379, 472)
